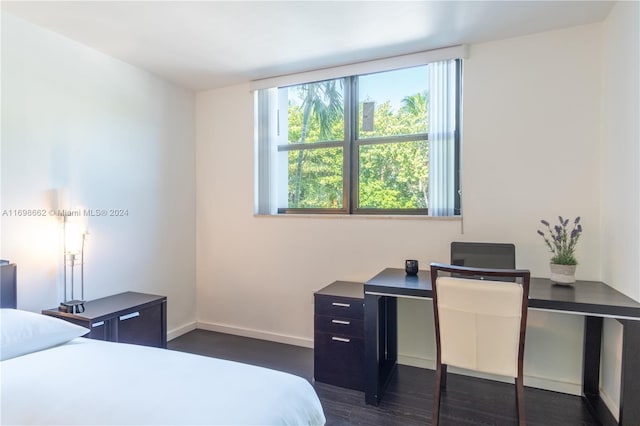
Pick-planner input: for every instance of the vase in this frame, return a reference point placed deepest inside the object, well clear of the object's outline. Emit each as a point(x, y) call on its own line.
point(562, 274)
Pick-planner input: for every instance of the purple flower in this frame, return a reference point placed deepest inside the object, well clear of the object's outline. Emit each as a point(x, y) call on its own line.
point(562, 241)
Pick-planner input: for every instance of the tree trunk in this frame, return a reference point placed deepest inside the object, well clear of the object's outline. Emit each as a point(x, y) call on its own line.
point(303, 137)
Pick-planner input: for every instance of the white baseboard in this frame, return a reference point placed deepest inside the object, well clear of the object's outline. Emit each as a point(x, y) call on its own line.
point(611, 405)
point(553, 385)
point(177, 332)
point(531, 381)
point(256, 334)
point(414, 361)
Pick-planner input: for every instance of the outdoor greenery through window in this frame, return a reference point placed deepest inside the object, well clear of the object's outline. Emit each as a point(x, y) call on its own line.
point(382, 143)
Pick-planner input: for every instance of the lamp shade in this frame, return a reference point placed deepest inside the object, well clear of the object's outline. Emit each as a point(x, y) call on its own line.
point(73, 237)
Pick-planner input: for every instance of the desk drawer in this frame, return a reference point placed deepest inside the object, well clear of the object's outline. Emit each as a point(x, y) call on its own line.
point(342, 307)
point(339, 360)
point(339, 326)
point(99, 330)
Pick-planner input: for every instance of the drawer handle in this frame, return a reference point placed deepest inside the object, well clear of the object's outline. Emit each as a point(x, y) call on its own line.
point(340, 339)
point(341, 322)
point(129, 316)
point(97, 324)
point(342, 305)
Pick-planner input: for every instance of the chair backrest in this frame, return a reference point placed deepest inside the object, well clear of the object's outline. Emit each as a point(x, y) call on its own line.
point(484, 255)
point(480, 324)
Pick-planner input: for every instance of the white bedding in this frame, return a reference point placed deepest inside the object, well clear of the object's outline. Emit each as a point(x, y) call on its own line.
point(93, 382)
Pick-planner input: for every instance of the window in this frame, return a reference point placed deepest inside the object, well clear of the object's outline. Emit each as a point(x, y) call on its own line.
point(376, 143)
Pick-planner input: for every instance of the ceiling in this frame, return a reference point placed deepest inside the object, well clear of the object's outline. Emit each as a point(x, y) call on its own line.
point(211, 44)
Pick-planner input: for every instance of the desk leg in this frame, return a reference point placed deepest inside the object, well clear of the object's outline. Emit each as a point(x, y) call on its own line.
point(380, 344)
point(591, 359)
point(630, 380)
point(371, 345)
point(629, 414)
point(390, 337)
point(591, 370)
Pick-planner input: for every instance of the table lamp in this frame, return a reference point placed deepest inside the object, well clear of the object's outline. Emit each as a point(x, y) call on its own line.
point(74, 239)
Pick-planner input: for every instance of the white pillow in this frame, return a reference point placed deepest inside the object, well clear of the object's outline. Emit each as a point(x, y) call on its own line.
point(25, 332)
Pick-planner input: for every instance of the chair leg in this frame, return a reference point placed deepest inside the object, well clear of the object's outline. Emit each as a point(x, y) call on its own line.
point(443, 379)
point(440, 383)
point(520, 401)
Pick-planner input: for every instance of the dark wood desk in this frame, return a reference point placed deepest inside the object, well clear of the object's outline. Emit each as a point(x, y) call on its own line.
point(595, 300)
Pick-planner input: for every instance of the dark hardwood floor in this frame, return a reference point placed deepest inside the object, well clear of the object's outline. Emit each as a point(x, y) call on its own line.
point(408, 400)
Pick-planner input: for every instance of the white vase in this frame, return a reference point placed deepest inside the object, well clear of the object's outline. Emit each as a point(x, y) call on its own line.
point(562, 274)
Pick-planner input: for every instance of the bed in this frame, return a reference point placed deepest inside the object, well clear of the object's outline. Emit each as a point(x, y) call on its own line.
point(49, 375)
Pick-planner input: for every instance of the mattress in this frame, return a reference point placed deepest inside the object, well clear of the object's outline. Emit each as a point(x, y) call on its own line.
point(92, 382)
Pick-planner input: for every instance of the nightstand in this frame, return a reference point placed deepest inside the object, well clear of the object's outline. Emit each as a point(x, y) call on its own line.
point(129, 317)
point(339, 335)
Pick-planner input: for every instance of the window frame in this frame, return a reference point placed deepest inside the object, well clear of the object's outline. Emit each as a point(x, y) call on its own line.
point(351, 162)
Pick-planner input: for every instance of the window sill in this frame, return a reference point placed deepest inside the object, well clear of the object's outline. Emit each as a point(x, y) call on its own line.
point(361, 216)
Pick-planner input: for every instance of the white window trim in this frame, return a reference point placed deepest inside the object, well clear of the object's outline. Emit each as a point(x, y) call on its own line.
point(380, 65)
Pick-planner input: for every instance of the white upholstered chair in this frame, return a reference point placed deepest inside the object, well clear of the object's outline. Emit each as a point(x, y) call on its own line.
point(480, 324)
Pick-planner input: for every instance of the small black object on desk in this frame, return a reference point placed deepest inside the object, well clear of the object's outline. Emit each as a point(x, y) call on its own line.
point(72, 307)
point(411, 267)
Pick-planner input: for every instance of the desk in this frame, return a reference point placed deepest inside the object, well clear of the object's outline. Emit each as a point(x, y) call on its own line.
point(595, 300)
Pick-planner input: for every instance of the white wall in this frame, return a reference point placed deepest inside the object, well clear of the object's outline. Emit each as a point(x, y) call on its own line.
point(105, 135)
point(531, 134)
point(620, 156)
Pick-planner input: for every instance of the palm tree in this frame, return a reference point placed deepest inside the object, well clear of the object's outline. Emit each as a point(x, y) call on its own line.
point(416, 106)
point(323, 101)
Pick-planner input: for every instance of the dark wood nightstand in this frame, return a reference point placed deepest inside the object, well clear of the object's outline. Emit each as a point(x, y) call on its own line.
point(339, 335)
point(126, 317)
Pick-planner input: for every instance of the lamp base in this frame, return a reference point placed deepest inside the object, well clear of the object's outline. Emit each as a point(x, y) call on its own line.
point(72, 306)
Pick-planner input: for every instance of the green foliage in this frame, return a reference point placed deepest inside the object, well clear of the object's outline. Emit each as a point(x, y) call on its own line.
point(391, 176)
point(394, 176)
point(320, 184)
point(322, 108)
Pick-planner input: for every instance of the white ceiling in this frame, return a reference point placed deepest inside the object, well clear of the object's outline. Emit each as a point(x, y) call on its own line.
point(211, 44)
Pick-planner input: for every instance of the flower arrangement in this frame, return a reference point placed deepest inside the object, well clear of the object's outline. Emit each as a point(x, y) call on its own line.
point(561, 241)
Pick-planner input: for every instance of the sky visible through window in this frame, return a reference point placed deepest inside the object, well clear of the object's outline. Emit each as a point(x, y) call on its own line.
point(390, 86)
point(393, 86)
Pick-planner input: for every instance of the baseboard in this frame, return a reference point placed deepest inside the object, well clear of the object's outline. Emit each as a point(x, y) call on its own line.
point(553, 385)
point(256, 334)
point(177, 332)
point(611, 406)
point(531, 381)
point(414, 361)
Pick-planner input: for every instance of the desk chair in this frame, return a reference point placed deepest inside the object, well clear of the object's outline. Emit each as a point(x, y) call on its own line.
point(480, 325)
